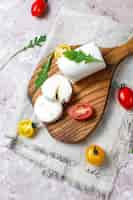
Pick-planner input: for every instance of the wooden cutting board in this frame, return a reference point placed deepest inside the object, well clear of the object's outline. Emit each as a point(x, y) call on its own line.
point(93, 89)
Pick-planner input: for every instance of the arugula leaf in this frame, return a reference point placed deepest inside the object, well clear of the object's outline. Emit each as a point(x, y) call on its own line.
point(37, 41)
point(131, 151)
point(79, 56)
point(43, 74)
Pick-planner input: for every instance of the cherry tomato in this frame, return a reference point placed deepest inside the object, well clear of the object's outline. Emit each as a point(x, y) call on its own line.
point(26, 128)
point(125, 97)
point(81, 111)
point(39, 8)
point(95, 155)
point(60, 49)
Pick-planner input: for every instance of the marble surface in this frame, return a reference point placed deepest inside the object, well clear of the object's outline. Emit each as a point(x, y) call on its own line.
point(19, 178)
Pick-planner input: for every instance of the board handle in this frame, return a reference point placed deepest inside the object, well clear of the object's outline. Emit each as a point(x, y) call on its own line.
point(119, 53)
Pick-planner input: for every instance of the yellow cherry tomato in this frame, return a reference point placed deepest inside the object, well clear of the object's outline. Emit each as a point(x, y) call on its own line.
point(95, 155)
point(26, 128)
point(60, 49)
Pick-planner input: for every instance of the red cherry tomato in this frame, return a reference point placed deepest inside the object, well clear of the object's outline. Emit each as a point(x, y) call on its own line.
point(125, 97)
point(39, 8)
point(81, 111)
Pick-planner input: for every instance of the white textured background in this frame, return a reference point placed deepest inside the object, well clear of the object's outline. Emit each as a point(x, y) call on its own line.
point(20, 179)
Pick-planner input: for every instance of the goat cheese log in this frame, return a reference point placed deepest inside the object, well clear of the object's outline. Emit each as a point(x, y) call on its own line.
point(77, 71)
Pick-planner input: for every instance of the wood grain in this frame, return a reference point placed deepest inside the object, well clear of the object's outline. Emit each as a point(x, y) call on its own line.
point(93, 89)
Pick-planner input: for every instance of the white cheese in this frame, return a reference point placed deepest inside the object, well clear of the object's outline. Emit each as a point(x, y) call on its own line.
point(57, 87)
point(46, 110)
point(77, 71)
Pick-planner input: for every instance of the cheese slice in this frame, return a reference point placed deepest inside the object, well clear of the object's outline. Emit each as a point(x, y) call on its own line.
point(77, 71)
point(46, 110)
point(57, 87)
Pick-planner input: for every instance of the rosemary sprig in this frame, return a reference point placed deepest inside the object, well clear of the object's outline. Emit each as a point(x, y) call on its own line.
point(43, 74)
point(79, 56)
point(37, 41)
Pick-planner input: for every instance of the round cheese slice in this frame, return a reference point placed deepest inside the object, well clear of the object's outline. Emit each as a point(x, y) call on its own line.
point(57, 87)
point(47, 110)
point(76, 71)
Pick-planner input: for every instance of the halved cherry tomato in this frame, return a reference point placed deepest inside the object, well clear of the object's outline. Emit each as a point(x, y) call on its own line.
point(81, 111)
point(125, 97)
point(39, 8)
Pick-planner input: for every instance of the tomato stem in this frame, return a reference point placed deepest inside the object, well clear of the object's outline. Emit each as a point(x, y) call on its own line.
point(123, 85)
point(33, 125)
point(95, 150)
point(115, 84)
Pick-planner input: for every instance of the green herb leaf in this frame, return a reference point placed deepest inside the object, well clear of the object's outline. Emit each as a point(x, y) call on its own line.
point(79, 56)
point(131, 151)
point(43, 74)
point(37, 41)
